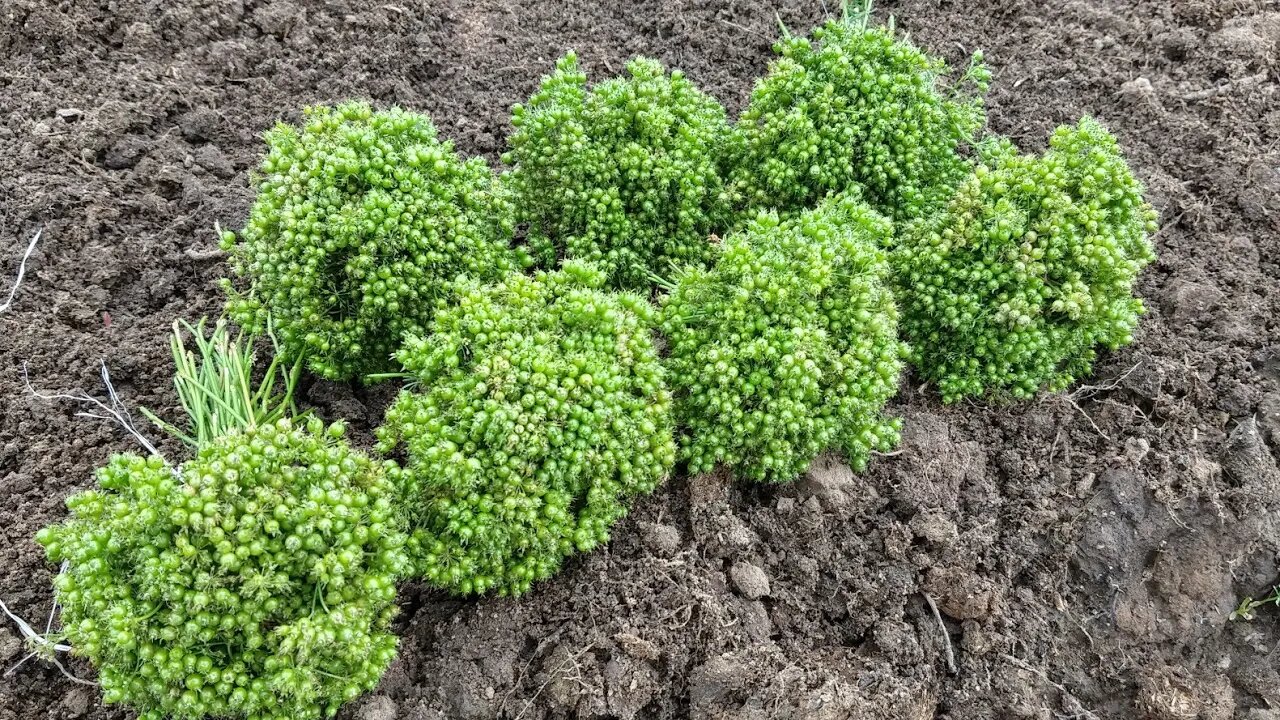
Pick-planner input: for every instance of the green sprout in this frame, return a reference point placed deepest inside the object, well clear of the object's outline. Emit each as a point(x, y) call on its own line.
point(215, 384)
point(1247, 609)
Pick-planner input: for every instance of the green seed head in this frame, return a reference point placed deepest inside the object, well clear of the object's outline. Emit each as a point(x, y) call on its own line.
point(539, 414)
point(1029, 269)
point(256, 580)
point(362, 223)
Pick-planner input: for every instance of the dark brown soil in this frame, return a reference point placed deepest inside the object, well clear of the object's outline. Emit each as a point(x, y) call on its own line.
point(1083, 551)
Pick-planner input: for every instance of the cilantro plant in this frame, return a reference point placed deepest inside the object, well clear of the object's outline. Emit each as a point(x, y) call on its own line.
point(540, 412)
point(363, 220)
point(255, 580)
point(625, 174)
point(1248, 607)
point(856, 105)
point(788, 346)
point(1029, 269)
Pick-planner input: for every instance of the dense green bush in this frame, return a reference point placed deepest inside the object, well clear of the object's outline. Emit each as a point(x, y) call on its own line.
point(856, 105)
point(540, 412)
point(1030, 267)
point(625, 174)
point(256, 580)
point(363, 219)
point(788, 346)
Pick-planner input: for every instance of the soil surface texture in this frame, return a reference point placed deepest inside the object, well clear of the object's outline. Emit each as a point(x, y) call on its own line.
point(1076, 556)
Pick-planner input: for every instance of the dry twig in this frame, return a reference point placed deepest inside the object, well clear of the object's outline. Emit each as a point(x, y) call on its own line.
point(1207, 93)
point(1087, 391)
point(45, 648)
point(1071, 401)
point(554, 675)
point(946, 636)
point(524, 671)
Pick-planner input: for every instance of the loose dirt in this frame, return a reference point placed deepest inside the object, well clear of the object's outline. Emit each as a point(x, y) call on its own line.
point(1082, 551)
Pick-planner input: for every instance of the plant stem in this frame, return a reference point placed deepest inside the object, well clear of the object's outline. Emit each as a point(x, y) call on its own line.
point(215, 384)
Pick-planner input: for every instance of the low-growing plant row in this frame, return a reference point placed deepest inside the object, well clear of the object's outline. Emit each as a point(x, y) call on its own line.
point(645, 286)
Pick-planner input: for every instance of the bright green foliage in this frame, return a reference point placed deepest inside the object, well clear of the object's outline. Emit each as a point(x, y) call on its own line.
point(540, 412)
point(1248, 607)
point(362, 222)
point(788, 346)
point(216, 386)
point(856, 105)
point(1030, 267)
point(625, 174)
point(256, 581)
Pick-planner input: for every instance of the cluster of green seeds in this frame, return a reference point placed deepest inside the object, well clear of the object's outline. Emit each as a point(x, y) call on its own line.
point(540, 411)
point(256, 580)
point(857, 106)
point(363, 221)
point(625, 174)
point(1028, 269)
point(788, 346)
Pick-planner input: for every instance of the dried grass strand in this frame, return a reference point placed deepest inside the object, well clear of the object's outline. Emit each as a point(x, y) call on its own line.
point(22, 269)
point(116, 411)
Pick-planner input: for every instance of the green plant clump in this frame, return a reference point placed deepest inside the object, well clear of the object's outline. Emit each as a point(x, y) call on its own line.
point(856, 106)
point(363, 219)
point(1029, 269)
point(625, 174)
point(540, 412)
point(788, 346)
point(256, 580)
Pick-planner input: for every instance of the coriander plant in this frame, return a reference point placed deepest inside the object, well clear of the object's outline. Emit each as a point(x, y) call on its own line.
point(255, 580)
point(625, 174)
point(788, 345)
point(856, 105)
point(539, 413)
point(1029, 269)
point(363, 220)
